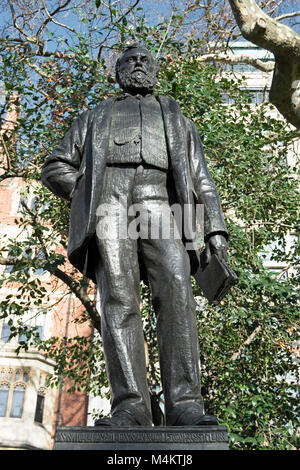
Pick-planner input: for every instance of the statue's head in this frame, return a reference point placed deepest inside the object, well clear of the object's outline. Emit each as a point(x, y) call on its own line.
point(137, 70)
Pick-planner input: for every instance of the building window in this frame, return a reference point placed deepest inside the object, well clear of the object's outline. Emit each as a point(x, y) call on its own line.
point(5, 334)
point(38, 331)
point(12, 392)
point(32, 319)
point(227, 99)
point(17, 402)
point(258, 96)
point(8, 268)
point(25, 377)
point(39, 409)
point(238, 68)
point(4, 390)
point(30, 254)
point(274, 249)
point(23, 338)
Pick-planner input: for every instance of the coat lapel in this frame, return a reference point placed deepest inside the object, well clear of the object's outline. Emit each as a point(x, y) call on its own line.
point(176, 141)
point(97, 152)
point(176, 135)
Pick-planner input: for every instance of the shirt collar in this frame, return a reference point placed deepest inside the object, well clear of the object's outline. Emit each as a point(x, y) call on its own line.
point(125, 95)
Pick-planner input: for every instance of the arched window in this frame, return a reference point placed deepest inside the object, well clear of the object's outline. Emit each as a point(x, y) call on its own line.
point(39, 409)
point(4, 390)
point(17, 376)
point(17, 401)
point(25, 376)
point(12, 391)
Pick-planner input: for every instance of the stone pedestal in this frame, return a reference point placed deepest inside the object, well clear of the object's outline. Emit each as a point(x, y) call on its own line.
point(142, 438)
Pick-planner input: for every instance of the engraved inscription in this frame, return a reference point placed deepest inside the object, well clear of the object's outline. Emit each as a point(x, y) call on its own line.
point(140, 437)
point(221, 436)
point(84, 437)
point(129, 436)
point(196, 437)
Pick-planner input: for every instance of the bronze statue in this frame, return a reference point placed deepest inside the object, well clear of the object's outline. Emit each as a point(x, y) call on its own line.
point(137, 149)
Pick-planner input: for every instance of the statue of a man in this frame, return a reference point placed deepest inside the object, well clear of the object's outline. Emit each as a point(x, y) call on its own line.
point(138, 149)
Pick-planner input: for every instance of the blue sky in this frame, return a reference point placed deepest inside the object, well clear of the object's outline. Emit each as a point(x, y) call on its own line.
point(154, 10)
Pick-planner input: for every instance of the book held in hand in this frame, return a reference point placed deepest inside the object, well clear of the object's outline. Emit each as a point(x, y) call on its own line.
point(215, 278)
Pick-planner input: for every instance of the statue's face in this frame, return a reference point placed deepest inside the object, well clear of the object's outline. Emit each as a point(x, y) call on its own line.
point(137, 71)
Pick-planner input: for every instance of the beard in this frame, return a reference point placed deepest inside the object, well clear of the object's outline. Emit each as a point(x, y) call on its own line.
point(137, 80)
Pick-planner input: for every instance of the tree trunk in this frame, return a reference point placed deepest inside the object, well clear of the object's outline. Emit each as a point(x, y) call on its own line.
point(284, 43)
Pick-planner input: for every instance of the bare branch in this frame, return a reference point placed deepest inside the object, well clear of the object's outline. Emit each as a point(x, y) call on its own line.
point(50, 17)
point(5, 176)
point(29, 38)
point(165, 35)
point(288, 15)
point(8, 261)
point(185, 12)
point(246, 343)
point(38, 90)
point(128, 11)
point(39, 70)
point(5, 151)
point(81, 295)
point(238, 59)
point(114, 22)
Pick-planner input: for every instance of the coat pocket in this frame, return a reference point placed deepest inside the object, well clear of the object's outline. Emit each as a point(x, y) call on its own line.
point(125, 136)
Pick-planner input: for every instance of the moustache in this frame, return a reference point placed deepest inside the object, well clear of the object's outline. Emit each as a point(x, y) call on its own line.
point(139, 69)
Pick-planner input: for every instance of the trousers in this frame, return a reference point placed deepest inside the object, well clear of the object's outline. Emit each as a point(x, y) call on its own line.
point(134, 213)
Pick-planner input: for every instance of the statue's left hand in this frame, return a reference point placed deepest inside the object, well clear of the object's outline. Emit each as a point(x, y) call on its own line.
point(216, 244)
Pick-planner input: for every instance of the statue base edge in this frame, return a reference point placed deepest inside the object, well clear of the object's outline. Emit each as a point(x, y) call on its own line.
point(176, 438)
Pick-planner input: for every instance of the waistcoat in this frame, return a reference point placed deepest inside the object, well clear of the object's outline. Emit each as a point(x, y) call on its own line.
point(137, 132)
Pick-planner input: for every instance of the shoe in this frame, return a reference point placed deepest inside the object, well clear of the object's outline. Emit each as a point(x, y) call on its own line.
point(192, 417)
point(122, 418)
